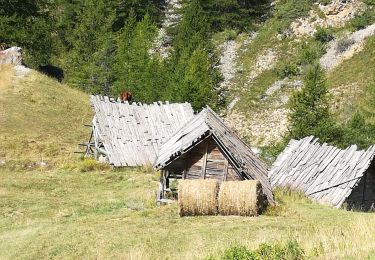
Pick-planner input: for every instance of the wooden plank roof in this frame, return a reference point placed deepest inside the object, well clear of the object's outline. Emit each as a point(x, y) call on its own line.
point(325, 173)
point(132, 133)
point(208, 123)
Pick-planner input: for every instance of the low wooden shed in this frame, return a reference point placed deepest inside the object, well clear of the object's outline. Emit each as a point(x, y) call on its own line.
point(205, 148)
point(130, 134)
point(327, 174)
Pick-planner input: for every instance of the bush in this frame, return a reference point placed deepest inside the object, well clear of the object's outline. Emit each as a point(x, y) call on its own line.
point(360, 21)
point(291, 250)
point(344, 44)
point(230, 34)
point(239, 253)
point(323, 35)
point(287, 70)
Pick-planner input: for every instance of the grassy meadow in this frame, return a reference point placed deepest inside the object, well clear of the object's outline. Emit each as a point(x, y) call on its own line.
point(112, 214)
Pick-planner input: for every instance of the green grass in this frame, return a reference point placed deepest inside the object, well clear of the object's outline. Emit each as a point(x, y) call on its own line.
point(41, 120)
point(112, 214)
point(352, 78)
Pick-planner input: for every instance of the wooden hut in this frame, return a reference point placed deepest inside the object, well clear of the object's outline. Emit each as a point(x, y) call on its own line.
point(327, 174)
point(125, 134)
point(205, 148)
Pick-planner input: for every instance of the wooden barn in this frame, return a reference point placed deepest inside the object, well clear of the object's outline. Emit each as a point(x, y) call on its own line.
point(125, 134)
point(327, 174)
point(205, 148)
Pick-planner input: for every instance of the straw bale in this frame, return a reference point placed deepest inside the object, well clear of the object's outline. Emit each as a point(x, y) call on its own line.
point(197, 197)
point(244, 198)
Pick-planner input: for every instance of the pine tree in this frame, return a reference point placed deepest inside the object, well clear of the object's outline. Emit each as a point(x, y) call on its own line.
point(89, 62)
point(193, 76)
point(28, 24)
point(309, 109)
point(136, 68)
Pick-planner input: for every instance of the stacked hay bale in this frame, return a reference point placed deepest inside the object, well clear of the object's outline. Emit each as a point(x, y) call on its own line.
point(203, 197)
point(198, 197)
point(244, 198)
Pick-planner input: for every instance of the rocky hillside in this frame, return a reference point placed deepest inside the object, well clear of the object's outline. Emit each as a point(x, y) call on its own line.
point(262, 68)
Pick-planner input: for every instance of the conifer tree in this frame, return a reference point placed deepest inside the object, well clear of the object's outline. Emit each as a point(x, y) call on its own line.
point(136, 67)
point(310, 110)
point(89, 62)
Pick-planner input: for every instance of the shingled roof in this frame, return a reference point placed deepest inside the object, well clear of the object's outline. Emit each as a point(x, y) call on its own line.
point(207, 123)
point(325, 173)
point(131, 134)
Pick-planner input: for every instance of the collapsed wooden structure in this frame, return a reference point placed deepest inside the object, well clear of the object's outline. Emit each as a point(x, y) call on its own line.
point(205, 148)
point(327, 174)
point(125, 134)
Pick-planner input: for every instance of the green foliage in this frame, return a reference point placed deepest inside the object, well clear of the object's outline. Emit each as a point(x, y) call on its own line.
point(323, 35)
point(310, 53)
point(27, 25)
point(287, 69)
point(291, 250)
point(310, 111)
point(192, 75)
point(234, 14)
point(239, 252)
point(292, 9)
point(361, 20)
point(137, 70)
point(358, 132)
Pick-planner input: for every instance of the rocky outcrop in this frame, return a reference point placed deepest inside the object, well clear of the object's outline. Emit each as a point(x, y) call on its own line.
point(343, 49)
point(13, 57)
point(162, 44)
point(335, 14)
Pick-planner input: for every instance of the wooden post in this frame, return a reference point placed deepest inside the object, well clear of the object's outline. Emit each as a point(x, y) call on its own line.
point(204, 162)
point(226, 164)
point(364, 189)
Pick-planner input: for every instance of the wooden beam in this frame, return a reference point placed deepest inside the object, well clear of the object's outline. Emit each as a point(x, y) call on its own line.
point(226, 164)
point(364, 188)
point(204, 161)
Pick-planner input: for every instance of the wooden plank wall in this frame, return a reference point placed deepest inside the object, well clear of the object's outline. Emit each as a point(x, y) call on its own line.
point(363, 195)
point(205, 161)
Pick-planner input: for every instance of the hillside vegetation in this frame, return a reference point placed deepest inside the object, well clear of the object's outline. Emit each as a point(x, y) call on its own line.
point(41, 121)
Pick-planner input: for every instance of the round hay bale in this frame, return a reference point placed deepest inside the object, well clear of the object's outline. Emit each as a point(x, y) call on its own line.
point(197, 197)
point(244, 198)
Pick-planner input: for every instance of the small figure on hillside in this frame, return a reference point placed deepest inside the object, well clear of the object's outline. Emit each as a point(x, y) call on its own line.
point(126, 96)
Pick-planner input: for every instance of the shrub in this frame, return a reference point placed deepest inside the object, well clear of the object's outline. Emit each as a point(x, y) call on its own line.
point(230, 34)
point(344, 44)
point(287, 69)
point(360, 21)
point(369, 2)
point(291, 250)
point(239, 253)
point(323, 35)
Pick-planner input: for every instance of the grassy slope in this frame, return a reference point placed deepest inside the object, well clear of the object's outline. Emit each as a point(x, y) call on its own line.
point(112, 215)
point(351, 78)
point(41, 120)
